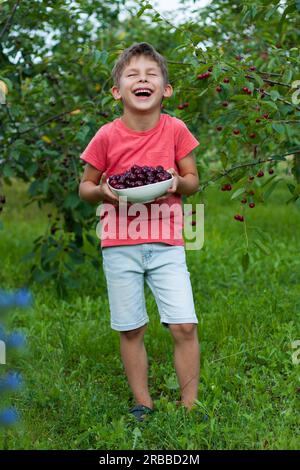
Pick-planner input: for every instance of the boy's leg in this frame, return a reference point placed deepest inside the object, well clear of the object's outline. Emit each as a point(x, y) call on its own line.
point(186, 360)
point(135, 361)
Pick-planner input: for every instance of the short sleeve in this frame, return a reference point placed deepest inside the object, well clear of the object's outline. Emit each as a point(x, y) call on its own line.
point(96, 151)
point(185, 142)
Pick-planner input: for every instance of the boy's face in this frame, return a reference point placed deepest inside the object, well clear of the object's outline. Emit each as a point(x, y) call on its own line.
point(144, 73)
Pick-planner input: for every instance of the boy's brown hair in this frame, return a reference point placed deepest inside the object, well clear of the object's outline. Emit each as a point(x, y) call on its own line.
point(141, 48)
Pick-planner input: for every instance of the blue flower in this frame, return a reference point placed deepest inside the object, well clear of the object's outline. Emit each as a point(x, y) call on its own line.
point(13, 381)
point(9, 416)
point(20, 298)
point(23, 298)
point(16, 340)
point(6, 300)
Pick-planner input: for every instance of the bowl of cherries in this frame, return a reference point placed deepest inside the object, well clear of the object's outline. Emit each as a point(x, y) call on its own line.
point(141, 183)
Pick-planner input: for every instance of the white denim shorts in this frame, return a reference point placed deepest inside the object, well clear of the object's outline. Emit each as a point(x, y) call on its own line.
point(164, 268)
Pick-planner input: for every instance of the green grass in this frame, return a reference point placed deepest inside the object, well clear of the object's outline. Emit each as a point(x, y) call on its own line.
point(76, 395)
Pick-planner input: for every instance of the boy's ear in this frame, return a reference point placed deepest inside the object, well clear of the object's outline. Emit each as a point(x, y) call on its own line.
point(168, 91)
point(115, 92)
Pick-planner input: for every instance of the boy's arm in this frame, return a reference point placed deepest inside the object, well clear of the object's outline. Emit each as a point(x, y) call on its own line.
point(188, 179)
point(91, 191)
point(186, 182)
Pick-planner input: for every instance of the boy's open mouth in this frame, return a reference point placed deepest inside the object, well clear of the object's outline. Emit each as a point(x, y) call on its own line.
point(142, 93)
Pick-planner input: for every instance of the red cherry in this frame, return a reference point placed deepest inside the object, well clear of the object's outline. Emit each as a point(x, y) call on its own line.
point(219, 128)
point(251, 178)
point(186, 104)
point(225, 104)
point(245, 89)
point(180, 106)
point(193, 222)
point(219, 89)
point(271, 171)
point(236, 131)
point(252, 67)
point(260, 174)
point(266, 116)
point(251, 192)
point(244, 201)
point(239, 217)
point(251, 205)
point(249, 92)
point(226, 80)
point(229, 187)
point(257, 120)
point(252, 136)
point(200, 77)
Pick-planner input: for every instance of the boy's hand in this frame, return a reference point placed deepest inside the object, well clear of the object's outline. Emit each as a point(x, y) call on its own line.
point(106, 194)
point(174, 186)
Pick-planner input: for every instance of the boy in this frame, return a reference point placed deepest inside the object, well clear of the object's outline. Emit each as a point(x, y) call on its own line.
point(144, 136)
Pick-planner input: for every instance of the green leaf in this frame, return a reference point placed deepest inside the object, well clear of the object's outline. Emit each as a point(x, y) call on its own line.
point(238, 192)
point(245, 261)
point(271, 104)
point(224, 159)
point(246, 16)
point(271, 189)
point(291, 187)
point(268, 181)
point(297, 190)
point(8, 82)
point(101, 56)
point(278, 127)
point(145, 7)
point(217, 71)
point(258, 79)
point(71, 201)
point(76, 257)
point(8, 171)
point(270, 12)
point(261, 246)
point(288, 74)
point(274, 95)
point(289, 9)
point(202, 92)
point(240, 98)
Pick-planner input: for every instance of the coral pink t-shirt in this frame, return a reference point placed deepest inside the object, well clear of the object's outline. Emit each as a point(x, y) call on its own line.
point(114, 149)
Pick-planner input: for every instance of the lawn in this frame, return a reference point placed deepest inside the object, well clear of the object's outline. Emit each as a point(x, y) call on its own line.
point(75, 394)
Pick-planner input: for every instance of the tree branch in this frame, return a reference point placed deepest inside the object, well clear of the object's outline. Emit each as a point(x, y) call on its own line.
point(243, 165)
point(9, 20)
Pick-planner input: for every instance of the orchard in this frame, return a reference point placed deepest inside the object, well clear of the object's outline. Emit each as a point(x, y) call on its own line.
point(235, 72)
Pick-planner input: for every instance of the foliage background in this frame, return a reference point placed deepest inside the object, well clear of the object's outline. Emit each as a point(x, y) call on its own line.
point(55, 64)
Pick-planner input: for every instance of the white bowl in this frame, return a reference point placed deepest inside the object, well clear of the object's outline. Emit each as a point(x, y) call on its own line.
point(147, 193)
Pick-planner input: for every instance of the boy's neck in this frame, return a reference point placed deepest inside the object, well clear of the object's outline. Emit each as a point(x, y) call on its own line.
point(140, 122)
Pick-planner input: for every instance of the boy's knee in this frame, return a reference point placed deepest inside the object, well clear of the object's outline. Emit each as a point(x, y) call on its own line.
point(133, 334)
point(183, 331)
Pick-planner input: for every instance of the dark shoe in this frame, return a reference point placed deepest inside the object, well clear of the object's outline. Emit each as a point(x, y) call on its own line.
point(140, 411)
